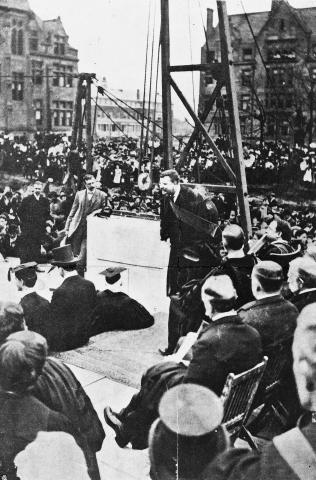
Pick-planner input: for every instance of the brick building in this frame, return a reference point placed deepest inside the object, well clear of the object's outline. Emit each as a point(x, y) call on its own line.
point(37, 64)
point(277, 97)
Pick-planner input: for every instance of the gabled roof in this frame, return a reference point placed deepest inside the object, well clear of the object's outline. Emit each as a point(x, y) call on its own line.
point(16, 4)
point(238, 22)
point(55, 25)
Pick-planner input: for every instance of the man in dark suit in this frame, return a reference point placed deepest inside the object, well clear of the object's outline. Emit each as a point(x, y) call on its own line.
point(36, 308)
point(115, 310)
point(72, 303)
point(34, 213)
point(87, 201)
point(270, 314)
point(291, 455)
point(302, 281)
point(180, 234)
point(223, 345)
point(182, 238)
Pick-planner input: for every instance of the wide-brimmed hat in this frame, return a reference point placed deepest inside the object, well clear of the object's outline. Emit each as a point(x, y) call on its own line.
point(63, 256)
point(188, 434)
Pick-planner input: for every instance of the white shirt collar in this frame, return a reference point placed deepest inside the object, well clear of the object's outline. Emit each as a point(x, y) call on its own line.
point(218, 316)
point(176, 194)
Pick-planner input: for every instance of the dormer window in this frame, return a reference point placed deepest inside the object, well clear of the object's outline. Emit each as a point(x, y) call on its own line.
point(59, 45)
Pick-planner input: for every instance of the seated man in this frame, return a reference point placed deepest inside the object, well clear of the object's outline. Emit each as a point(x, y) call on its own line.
point(289, 456)
point(36, 308)
point(58, 388)
point(302, 281)
point(115, 310)
point(237, 265)
point(188, 434)
point(270, 314)
point(72, 303)
point(224, 345)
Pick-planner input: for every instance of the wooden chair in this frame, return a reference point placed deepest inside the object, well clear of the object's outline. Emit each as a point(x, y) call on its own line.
point(237, 397)
point(277, 371)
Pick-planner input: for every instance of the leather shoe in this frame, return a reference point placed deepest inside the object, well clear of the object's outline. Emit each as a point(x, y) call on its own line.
point(165, 352)
point(115, 423)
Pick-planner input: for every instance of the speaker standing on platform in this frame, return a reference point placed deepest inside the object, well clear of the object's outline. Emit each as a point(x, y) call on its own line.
point(87, 201)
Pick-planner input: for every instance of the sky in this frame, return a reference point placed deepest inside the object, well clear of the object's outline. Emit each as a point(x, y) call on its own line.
point(110, 36)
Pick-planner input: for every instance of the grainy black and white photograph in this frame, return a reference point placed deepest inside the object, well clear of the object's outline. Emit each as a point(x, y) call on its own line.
point(158, 240)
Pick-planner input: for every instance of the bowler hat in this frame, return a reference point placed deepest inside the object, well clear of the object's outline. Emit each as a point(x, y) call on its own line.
point(268, 270)
point(63, 256)
point(188, 434)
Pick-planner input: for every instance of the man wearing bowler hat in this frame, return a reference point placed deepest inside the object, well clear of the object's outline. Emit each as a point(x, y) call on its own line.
point(188, 434)
point(115, 310)
point(72, 303)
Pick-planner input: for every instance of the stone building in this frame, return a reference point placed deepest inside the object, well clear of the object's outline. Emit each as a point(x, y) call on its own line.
point(113, 121)
point(275, 71)
point(38, 71)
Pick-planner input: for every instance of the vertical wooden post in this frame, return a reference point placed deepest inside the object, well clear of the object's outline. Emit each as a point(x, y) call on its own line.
point(48, 122)
point(76, 113)
point(88, 124)
point(166, 90)
point(239, 166)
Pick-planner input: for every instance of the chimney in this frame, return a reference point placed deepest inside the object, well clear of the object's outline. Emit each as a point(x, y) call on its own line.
point(138, 94)
point(209, 23)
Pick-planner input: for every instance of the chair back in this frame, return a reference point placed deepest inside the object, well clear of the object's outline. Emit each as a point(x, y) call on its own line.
point(279, 362)
point(284, 259)
point(238, 395)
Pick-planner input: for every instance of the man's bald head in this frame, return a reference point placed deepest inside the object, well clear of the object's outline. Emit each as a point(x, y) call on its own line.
point(233, 237)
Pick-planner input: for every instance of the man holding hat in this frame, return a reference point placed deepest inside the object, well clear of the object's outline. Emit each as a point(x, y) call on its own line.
point(72, 303)
point(270, 314)
point(188, 434)
point(224, 345)
point(291, 455)
point(115, 310)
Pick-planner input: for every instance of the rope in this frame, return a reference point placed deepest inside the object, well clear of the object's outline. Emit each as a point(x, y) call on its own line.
point(150, 83)
point(144, 93)
point(191, 57)
point(155, 109)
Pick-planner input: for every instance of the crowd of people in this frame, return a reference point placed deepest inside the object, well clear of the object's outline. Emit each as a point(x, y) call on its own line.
point(232, 302)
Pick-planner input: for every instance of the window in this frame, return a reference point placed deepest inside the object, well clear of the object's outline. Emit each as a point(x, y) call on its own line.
point(17, 37)
point(37, 72)
point(277, 77)
point(210, 56)
point(38, 107)
point(17, 86)
point(247, 54)
point(62, 113)
point(33, 41)
point(59, 45)
point(245, 101)
point(282, 25)
point(62, 75)
point(246, 75)
point(284, 129)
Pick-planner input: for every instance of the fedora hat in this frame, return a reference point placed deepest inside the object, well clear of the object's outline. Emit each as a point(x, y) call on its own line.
point(63, 256)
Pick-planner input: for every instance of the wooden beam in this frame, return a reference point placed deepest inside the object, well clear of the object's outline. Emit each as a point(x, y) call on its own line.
point(216, 69)
point(88, 123)
point(201, 127)
point(166, 90)
point(215, 187)
point(77, 113)
point(203, 118)
point(239, 166)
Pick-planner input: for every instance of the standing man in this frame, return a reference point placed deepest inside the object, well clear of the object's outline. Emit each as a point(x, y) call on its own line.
point(34, 213)
point(182, 199)
point(87, 201)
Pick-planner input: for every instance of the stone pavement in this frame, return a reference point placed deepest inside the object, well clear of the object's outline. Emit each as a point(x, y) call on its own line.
point(115, 463)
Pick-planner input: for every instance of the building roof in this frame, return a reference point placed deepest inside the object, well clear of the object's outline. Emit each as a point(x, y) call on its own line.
point(55, 25)
point(16, 4)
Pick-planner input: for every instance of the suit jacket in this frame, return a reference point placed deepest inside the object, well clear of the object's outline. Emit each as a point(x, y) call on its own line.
point(273, 317)
point(181, 234)
point(81, 208)
point(118, 311)
point(71, 308)
point(240, 464)
point(33, 214)
point(36, 313)
point(300, 300)
point(224, 346)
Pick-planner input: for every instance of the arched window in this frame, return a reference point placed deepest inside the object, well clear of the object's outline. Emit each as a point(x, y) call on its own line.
point(14, 41)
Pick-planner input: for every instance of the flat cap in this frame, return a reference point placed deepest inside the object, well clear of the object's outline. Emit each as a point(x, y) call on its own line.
point(191, 410)
point(268, 270)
